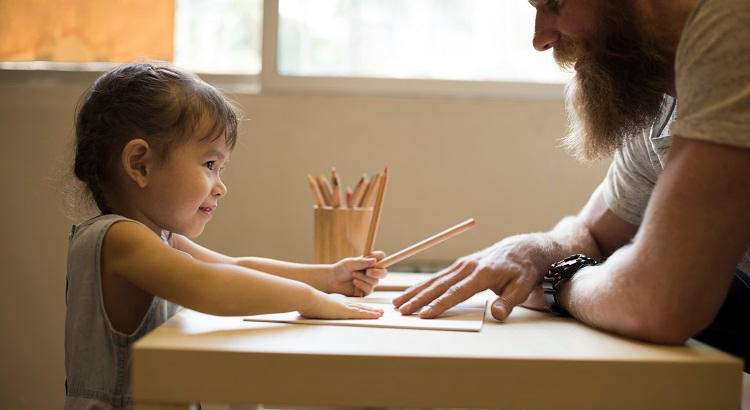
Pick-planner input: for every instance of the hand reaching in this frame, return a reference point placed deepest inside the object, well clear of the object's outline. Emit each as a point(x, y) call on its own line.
point(328, 306)
point(510, 268)
point(360, 272)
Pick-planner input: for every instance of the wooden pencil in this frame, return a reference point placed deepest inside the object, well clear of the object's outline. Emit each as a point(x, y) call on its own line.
point(369, 195)
point(349, 194)
point(336, 191)
point(375, 219)
point(315, 191)
point(425, 244)
point(325, 189)
point(359, 190)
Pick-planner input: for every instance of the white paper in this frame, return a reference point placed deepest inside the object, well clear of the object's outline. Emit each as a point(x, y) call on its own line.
point(467, 316)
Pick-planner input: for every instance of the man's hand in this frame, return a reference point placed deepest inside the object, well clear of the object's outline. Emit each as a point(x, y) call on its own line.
point(512, 268)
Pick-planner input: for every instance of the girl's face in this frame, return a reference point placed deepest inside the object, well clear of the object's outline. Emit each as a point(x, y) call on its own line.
point(184, 189)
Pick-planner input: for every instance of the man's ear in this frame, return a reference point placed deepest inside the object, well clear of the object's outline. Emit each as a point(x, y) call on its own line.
point(137, 160)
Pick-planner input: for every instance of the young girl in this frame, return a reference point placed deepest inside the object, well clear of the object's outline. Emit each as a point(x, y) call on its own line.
point(151, 142)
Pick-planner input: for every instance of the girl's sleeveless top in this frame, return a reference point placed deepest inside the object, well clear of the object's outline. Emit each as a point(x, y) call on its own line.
point(97, 357)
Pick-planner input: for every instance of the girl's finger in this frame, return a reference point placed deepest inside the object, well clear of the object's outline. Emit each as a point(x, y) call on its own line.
point(363, 286)
point(377, 273)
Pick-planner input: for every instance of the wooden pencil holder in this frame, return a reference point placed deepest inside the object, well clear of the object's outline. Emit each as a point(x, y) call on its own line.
point(340, 233)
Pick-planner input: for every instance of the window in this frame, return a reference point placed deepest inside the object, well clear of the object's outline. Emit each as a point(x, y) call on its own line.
point(481, 40)
point(415, 46)
point(219, 36)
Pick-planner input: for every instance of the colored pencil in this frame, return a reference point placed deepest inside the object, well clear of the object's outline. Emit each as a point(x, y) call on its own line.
point(425, 244)
point(325, 189)
point(315, 191)
point(375, 221)
point(336, 192)
point(349, 194)
point(359, 190)
point(378, 184)
point(372, 189)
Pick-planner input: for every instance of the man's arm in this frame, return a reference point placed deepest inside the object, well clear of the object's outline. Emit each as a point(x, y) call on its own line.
point(513, 268)
point(669, 283)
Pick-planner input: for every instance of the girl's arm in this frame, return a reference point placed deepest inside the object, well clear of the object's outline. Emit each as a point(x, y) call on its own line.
point(340, 277)
point(135, 253)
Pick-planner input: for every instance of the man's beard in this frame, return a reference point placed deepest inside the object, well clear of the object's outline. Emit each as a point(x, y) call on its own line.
point(619, 86)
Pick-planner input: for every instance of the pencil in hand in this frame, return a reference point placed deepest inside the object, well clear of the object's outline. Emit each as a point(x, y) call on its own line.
point(375, 220)
point(426, 243)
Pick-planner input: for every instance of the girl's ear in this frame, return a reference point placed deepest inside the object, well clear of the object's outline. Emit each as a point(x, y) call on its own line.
point(137, 158)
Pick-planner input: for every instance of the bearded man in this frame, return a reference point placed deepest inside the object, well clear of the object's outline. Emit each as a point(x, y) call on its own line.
point(660, 250)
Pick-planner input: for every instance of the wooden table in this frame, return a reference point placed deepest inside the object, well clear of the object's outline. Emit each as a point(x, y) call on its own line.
point(531, 360)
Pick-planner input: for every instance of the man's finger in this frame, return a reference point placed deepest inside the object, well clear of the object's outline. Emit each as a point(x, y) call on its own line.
point(413, 290)
point(436, 289)
point(419, 287)
point(459, 292)
point(512, 295)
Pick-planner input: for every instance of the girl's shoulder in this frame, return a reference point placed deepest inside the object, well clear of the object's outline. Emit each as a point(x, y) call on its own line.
point(98, 223)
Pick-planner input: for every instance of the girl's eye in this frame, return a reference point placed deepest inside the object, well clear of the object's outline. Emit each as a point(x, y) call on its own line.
point(210, 165)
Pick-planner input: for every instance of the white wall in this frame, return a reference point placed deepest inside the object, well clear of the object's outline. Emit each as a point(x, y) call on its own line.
point(450, 159)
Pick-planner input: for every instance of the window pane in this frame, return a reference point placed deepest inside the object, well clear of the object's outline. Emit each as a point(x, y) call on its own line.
point(487, 40)
point(219, 36)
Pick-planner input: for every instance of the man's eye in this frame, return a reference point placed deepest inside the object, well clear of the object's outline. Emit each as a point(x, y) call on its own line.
point(210, 165)
point(553, 5)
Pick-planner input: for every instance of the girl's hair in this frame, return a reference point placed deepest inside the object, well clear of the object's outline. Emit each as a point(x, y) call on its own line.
point(156, 102)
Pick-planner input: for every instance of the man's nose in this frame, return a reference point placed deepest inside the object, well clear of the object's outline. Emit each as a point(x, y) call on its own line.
point(545, 32)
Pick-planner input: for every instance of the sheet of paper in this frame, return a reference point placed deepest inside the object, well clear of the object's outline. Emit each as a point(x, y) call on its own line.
point(401, 281)
point(467, 316)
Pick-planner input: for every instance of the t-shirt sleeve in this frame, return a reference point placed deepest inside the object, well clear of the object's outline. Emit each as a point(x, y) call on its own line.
point(630, 180)
point(712, 74)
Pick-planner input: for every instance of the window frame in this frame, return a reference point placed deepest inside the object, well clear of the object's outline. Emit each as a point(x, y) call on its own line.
point(270, 81)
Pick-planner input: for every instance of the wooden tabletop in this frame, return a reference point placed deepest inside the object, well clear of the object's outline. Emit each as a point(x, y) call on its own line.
point(531, 360)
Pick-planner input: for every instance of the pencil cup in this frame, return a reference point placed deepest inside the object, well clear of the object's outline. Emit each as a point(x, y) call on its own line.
point(340, 233)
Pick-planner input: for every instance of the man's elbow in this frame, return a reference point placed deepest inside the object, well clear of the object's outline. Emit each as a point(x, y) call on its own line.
point(668, 328)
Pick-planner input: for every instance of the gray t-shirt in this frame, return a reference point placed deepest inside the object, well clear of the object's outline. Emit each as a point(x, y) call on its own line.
point(712, 69)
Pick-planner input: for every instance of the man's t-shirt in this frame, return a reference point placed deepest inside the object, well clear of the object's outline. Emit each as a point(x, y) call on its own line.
point(712, 75)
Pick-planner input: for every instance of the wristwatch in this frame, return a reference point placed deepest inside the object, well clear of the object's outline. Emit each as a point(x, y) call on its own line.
point(559, 273)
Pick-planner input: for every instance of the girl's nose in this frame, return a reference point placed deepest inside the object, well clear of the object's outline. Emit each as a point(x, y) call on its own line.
point(220, 189)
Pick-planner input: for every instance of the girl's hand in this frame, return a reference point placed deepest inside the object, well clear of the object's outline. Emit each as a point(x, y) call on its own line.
point(327, 306)
point(359, 272)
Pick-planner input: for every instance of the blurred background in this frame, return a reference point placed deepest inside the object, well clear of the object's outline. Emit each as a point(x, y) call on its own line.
point(448, 94)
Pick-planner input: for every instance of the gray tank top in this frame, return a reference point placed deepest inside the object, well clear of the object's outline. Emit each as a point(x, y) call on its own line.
point(97, 357)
